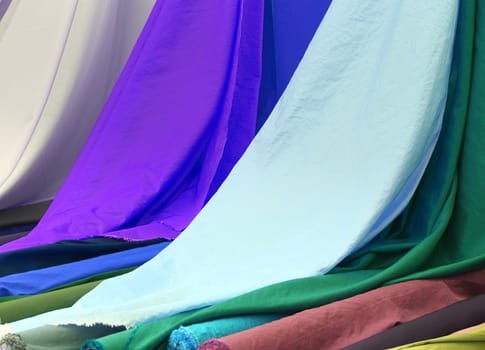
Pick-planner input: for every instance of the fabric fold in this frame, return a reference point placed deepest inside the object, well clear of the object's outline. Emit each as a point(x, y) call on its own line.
point(368, 314)
point(170, 132)
point(192, 336)
point(282, 162)
point(37, 281)
point(58, 63)
point(436, 236)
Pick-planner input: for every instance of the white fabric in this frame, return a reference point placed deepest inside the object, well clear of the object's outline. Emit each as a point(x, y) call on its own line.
point(58, 62)
point(352, 128)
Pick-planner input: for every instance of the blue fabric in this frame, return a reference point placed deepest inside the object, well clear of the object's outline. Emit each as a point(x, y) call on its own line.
point(289, 27)
point(37, 281)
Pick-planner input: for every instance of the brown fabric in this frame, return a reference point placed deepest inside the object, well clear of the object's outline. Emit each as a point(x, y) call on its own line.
point(345, 322)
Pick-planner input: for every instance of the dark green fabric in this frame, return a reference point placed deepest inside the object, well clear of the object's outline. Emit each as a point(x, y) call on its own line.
point(441, 233)
point(14, 308)
point(64, 252)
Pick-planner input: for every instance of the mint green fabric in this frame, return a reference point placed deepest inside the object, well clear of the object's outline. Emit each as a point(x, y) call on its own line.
point(440, 234)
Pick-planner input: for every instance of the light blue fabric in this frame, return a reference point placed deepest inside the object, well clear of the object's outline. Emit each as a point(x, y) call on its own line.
point(37, 281)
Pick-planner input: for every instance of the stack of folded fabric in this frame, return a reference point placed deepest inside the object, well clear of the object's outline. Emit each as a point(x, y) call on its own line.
point(242, 174)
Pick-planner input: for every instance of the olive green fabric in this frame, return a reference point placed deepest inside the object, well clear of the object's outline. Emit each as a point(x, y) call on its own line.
point(15, 308)
point(440, 233)
point(473, 340)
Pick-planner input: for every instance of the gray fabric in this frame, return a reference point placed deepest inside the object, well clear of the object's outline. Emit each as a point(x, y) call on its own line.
point(26, 214)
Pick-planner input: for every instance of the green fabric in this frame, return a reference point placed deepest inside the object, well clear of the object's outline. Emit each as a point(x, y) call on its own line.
point(440, 233)
point(15, 308)
point(465, 341)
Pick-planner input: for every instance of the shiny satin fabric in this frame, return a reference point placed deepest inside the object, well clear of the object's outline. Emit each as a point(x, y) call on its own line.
point(170, 132)
point(58, 62)
point(273, 168)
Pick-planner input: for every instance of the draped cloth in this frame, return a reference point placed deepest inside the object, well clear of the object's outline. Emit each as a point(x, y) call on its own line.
point(58, 63)
point(192, 336)
point(456, 317)
point(344, 322)
point(40, 280)
point(170, 132)
point(437, 235)
point(296, 238)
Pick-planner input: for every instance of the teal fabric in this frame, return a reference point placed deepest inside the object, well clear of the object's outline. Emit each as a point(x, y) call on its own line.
point(191, 337)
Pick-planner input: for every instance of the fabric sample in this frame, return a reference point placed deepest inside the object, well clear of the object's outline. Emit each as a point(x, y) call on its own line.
point(436, 236)
point(192, 336)
point(473, 340)
point(64, 252)
point(439, 323)
point(153, 158)
point(41, 280)
point(58, 62)
point(273, 169)
point(367, 313)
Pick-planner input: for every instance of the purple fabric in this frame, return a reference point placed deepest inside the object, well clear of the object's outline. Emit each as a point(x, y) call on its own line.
point(181, 114)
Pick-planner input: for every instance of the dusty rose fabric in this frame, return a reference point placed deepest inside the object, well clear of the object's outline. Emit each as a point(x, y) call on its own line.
point(345, 322)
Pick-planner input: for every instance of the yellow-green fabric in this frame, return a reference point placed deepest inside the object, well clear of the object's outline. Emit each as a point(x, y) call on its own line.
point(474, 340)
point(19, 307)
